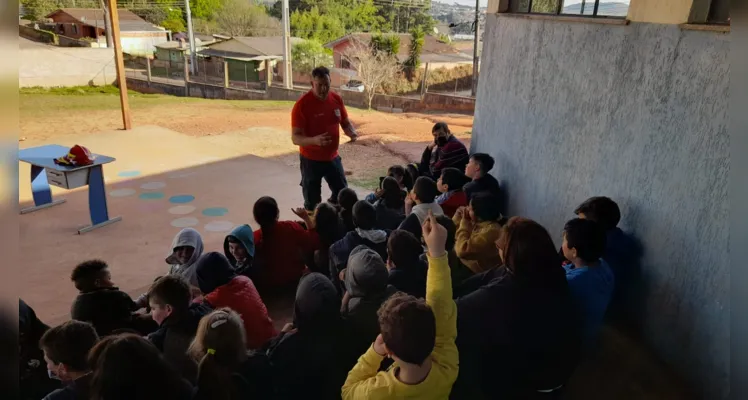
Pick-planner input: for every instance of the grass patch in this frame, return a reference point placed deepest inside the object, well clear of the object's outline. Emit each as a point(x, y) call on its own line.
point(37, 101)
point(365, 182)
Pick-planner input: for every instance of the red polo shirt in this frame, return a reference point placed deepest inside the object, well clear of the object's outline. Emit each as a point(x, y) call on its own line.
point(316, 117)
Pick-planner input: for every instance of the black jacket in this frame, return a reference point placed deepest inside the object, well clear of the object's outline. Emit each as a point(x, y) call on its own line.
point(107, 309)
point(174, 336)
point(515, 337)
point(32, 369)
point(313, 361)
point(486, 183)
point(388, 218)
point(410, 279)
point(76, 390)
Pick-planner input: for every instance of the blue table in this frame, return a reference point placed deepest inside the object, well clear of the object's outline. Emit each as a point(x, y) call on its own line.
point(44, 171)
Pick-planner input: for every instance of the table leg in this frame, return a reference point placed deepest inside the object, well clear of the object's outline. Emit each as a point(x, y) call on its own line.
point(40, 191)
point(97, 200)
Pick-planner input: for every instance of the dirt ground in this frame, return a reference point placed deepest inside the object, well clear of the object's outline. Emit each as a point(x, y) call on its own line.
point(385, 139)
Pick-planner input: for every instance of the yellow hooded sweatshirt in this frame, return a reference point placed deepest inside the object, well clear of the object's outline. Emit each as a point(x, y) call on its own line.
point(365, 383)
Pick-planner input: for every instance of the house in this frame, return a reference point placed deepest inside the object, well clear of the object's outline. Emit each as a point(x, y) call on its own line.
point(138, 36)
point(172, 53)
point(247, 58)
point(632, 103)
point(434, 52)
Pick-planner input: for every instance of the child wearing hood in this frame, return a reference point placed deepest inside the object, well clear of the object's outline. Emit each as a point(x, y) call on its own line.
point(420, 201)
point(309, 357)
point(365, 219)
point(186, 248)
point(239, 248)
point(222, 287)
point(366, 288)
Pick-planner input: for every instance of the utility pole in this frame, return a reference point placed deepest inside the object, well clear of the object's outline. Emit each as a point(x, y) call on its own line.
point(287, 77)
point(191, 34)
point(107, 25)
point(476, 40)
point(120, 64)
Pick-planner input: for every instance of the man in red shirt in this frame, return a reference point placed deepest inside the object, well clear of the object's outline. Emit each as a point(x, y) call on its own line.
point(316, 120)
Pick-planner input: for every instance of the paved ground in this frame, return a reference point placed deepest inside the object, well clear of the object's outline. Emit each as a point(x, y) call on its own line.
point(153, 165)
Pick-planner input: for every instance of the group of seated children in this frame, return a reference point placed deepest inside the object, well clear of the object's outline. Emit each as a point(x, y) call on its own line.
point(382, 310)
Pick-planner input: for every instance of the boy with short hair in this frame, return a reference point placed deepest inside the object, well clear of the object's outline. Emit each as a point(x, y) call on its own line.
point(170, 299)
point(452, 196)
point(239, 248)
point(419, 202)
point(66, 350)
point(477, 169)
point(418, 335)
point(101, 303)
point(478, 229)
point(590, 278)
point(622, 252)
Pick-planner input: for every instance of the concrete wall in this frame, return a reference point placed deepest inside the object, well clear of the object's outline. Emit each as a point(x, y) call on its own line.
point(637, 113)
point(50, 66)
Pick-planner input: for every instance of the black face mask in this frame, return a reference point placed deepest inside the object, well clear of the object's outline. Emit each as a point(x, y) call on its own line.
point(441, 141)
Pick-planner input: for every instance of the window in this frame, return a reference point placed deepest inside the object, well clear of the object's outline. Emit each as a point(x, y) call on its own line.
point(345, 64)
point(719, 12)
point(710, 12)
point(75, 29)
point(591, 8)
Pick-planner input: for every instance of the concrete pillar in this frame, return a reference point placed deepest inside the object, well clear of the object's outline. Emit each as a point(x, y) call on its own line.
point(497, 6)
point(148, 69)
point(225, 73)
point(268, 73)
point(186, 76)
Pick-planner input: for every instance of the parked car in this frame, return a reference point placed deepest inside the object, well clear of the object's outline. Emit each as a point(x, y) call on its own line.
point(354, 86)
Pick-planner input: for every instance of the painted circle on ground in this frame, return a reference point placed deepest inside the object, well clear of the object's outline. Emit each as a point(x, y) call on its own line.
point(181, 210)
point(184, 222)
point(122, 192)
point(181, 198)
point(151, 196)
point(215, 211)
point(153, 185)
point(128, 174)
point(219, 226)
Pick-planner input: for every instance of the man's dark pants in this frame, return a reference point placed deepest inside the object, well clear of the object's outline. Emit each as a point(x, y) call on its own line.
point(312, 173)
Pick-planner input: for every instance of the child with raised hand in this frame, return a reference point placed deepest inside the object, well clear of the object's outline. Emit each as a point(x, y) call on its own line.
point(280, 246)
point(226, 369)
point(478, 229)
point(450, 185)
point(239, 248)
point(222, 287)
point(418, 335)
point(102, 304)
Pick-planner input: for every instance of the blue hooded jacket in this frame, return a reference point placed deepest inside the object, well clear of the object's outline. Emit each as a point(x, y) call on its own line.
point(245, 235)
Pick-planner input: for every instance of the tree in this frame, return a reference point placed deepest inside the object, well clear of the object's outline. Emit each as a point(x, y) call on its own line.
point(241, 18)
point(374, 67)
point(416, 46)
point(387, 43)
point(308, 55)
point(315, 26)
point(205, 9)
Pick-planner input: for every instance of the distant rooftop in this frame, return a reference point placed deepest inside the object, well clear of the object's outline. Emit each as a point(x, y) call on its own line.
point(128, 21)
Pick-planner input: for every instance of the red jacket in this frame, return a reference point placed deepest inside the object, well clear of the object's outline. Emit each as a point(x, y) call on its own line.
point(279, 257)
point(241, 296)
point(456, 200)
